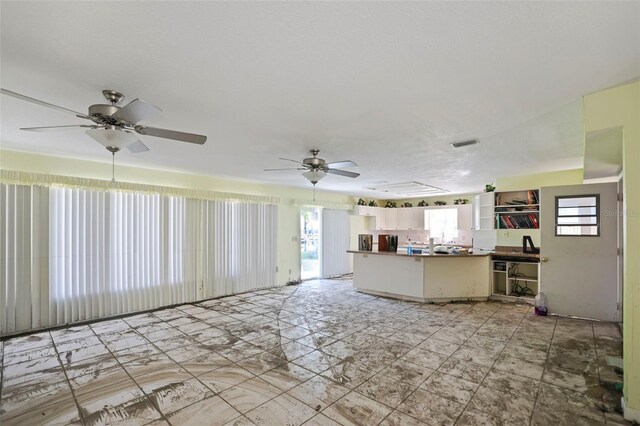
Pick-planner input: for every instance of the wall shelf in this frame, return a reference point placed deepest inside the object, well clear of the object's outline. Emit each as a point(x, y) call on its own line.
point(517, 209)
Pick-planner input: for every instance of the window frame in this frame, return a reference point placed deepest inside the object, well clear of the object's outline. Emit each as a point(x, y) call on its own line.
point(597, 215)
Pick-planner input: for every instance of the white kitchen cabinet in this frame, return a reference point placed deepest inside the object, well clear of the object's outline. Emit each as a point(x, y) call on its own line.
point(465, 214)
point(404, 218)
point(387, 219)
point(365, 211)
point(411, 218)
point(483, 211)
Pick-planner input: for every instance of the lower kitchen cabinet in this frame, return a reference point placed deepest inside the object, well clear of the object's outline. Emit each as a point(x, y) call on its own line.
point(515, 279)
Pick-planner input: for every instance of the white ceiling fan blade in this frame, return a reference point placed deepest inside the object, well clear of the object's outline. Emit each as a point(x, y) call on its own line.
point(171, 134)
point(43, 103)
point(48, 128)
point(137, 110)
point(288, 168)
point(137, 147)
point(289, 159)
point(344, 173)
point(341, 164)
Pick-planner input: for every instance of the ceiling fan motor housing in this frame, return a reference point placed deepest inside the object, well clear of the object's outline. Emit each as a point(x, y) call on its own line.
point(103, 113)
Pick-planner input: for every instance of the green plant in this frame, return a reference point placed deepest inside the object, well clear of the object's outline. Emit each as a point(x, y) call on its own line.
point(391, 205)
point(440, 203)
point(489, 187)
point(361, 202)
point(407, 205)
point(423, 203)
point(372, 203)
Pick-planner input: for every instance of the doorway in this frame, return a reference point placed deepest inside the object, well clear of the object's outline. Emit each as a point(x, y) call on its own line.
point(579, 241)
point(310, 243)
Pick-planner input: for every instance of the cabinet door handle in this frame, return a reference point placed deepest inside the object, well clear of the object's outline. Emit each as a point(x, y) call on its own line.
point(544, 259)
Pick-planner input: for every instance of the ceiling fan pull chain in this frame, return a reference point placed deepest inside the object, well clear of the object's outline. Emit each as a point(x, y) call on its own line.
point(113, 166)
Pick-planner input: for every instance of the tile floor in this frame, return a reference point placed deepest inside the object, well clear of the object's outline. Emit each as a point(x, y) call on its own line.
point(315, 354)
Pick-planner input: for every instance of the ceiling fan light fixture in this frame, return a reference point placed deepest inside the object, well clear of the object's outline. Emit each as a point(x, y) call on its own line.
point(314, 176)
point(112, 137)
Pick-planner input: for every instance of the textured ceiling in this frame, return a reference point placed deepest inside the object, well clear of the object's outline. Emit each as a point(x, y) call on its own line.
point(388, 85)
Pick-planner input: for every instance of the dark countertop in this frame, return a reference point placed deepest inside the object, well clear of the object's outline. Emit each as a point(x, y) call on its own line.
point(517, 254)
point(425, 255)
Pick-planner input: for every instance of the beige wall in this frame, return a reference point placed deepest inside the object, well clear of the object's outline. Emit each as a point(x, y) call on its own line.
point(620, 106)
point(288, 213)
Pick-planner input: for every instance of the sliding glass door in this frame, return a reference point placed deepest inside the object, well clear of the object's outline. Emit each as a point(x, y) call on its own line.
point(310, 243)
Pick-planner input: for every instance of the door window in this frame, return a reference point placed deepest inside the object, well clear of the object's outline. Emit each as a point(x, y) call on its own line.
point(578, 216)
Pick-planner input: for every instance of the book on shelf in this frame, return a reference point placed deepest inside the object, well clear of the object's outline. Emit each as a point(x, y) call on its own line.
point(517, 221)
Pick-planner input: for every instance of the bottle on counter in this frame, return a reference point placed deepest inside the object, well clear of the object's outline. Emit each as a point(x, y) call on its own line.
point(541, 304)
point(409, 248)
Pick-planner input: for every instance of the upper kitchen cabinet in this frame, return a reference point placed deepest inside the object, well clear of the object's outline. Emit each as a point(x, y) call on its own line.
point(483, 205)
point(365, 210)
point(465, 217)
point(387, 219)
point(411, 218)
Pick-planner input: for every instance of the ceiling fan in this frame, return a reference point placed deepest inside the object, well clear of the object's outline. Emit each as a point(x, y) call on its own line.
point(316, 168)
point(112, 126)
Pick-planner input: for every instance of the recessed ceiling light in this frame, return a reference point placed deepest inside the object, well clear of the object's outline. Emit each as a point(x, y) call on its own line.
point(465, 143)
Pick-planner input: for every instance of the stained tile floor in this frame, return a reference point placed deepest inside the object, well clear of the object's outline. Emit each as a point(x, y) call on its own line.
point(318, 353)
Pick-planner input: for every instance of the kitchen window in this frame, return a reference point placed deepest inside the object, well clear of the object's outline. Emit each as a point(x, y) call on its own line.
point(443, 224)
point(578, 216)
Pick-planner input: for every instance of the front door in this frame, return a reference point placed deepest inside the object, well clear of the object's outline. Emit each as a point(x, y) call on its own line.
point(578, 241)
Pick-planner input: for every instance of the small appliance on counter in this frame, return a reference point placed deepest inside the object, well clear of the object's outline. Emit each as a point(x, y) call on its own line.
point(441, 250)
point(383, 242)
point(392, 243)
point(365, 242)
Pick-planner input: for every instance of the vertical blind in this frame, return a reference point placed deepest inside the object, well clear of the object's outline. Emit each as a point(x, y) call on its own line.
point(335, 243)
point(24, 224)
point(72, 254)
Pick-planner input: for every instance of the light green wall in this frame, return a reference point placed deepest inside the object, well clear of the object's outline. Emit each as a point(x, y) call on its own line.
point(513, 237)
point(517, 183)
point(288, 213)
point(620, 106)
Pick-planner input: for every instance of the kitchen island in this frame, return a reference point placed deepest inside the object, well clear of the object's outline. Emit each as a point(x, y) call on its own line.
point(423, 277)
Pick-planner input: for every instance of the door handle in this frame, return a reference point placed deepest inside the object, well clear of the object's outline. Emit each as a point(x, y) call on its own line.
point(544, 259)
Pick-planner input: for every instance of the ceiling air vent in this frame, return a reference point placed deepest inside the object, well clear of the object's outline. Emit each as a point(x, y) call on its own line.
point(465, 143)
point(408, 189)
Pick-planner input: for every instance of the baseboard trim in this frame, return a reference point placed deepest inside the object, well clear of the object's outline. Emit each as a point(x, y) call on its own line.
point(630, 414)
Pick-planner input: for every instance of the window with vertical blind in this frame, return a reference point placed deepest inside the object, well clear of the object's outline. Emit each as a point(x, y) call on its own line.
point(71, 254)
